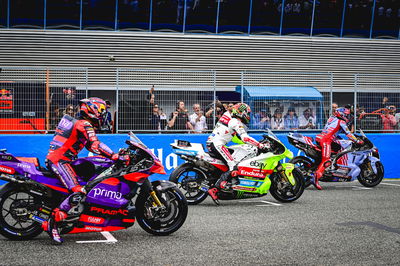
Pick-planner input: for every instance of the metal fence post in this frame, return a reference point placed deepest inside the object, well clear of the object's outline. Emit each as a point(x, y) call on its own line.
point(355, 101)
point(116, 120)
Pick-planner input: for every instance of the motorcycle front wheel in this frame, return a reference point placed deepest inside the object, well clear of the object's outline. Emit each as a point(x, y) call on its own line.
point(367, 176)
point(161, 221)
point(303, 164)
point(283, 190)
point(189, 180)
point(15, 206)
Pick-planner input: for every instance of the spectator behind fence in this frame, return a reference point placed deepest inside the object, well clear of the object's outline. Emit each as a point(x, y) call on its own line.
point(397, 117)
point(163, 120)
point(108, 121)
point(148, 110)
point(198, 120)
point(55, 117)
point(389, 121)
point(291, 120)
point(220, 110)
point(277, 121)
point(154, 118)
point(261, 120)
point(307, 120)
point(179, 119)
point(69, 110)
point(334, 107)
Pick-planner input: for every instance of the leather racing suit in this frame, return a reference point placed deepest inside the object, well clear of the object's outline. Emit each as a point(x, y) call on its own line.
point(325, 138)
point(70, 138)
point(225, 129)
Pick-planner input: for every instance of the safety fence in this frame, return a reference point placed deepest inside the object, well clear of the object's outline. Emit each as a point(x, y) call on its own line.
point(287, 100)
point(32, 100)
point(35, 99)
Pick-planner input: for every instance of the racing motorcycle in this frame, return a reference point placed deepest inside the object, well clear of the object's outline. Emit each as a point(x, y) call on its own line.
point(349, 160)
point(259, 171)
point(117, 195)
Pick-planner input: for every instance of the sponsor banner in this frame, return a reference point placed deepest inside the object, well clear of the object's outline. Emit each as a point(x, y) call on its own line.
point(6, 100)
point(37, 146)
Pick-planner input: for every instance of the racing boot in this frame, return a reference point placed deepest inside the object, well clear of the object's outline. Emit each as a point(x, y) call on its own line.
point(51, 227)
point(213, 194)
point(317, 176)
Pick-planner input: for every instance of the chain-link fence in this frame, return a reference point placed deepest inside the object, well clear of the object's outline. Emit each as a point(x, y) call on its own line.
point(34, 99)
point(161, 101)
point(287, 100)
point(377, 98)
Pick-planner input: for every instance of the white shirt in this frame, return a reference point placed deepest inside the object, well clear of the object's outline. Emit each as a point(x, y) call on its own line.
point(303, 121)
point(199, 126)
point(277, 123)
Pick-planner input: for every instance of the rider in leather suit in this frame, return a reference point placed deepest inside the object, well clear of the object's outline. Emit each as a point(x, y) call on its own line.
point(229, 125)
point(71, 136)
point(336, 123)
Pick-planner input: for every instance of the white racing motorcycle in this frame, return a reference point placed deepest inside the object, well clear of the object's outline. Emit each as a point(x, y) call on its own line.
point(259, 171)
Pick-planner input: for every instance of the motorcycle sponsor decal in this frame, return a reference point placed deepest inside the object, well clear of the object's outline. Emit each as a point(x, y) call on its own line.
point(6, 157)
point(6, 169)
point(245, 182)
point(93, 228)
point(257, 164)
point(23, 165)
point(6, 100)
point(109, 212)
point(254, 172)
point(244, 188)
point(91, 219)
point(106, 193)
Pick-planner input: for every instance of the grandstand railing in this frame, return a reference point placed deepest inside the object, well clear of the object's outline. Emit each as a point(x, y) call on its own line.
point(32, 100)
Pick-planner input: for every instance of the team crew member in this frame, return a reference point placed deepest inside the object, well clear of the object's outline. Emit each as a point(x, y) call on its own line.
point(71, 136)
point(230, 124)
point(336, 123)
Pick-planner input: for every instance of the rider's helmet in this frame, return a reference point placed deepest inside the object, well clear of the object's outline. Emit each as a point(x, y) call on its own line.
point(93, 109)
point(242, 111)
point(342, 113)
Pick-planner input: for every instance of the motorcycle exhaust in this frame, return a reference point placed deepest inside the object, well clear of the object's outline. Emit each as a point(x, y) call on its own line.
point(10, 178)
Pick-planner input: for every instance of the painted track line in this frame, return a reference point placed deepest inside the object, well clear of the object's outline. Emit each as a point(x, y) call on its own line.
point(397, 185)
point(110, 239)
point(360, 188)
point(268, 202)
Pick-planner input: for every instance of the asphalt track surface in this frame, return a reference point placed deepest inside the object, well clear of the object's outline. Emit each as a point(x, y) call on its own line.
point(345, 224)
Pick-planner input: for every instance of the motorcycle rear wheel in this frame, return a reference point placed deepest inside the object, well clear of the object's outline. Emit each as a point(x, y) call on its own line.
point(189, 180)
point(162, 223)
point(283, 191)
point(303, 164)
point(368, 178)
point(15, 206)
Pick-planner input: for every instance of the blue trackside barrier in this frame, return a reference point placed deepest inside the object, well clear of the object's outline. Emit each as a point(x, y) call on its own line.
point(37, 146)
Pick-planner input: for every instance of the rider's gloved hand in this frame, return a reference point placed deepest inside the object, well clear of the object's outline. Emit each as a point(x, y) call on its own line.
point(359, 142)
point(264, 146)
point(123, 158)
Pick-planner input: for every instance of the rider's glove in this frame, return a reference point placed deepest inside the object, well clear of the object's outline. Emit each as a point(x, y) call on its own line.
point(359, 142)
point(123, 158)
point(264, 146)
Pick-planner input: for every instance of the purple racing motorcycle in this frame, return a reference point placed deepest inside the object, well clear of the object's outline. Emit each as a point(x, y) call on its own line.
point(349, 161)
point(117, 195)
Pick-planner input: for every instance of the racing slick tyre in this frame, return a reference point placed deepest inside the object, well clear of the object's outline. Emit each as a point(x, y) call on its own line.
point(283, 190)
point(303, 164)
point(367, 176)
point(15, 206)
point(189, 180)
point(165, 221)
